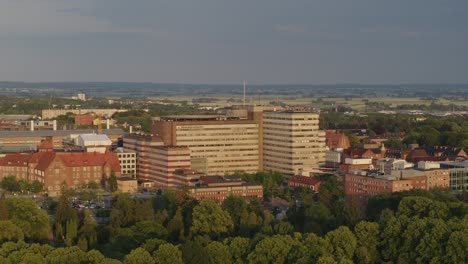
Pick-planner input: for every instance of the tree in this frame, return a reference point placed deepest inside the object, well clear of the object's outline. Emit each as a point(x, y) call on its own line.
point(9, 183)
point(87, 231)
point(112, 182)
point(210, 219)
point(139, 256)
point(219, 253)
point(23, 185)
point(234, 206)
point(3, 209)
point(239, 248)
point(36, 186)
point(71, 255)
point(168, 254)
point(194, 252)
point(175, 227)
point(33, 222)
point(367, 236)
point(273, 249)
point(343, 243)
point(456, 247)
point(10, 232)
point(71, 231)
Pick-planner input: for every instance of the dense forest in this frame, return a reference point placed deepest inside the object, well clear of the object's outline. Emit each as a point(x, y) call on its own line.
point(406, 227)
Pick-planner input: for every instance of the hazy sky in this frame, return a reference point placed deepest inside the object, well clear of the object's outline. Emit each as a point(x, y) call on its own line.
point(226, 41)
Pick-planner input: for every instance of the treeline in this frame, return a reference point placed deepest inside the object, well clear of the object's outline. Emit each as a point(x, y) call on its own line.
point(406, 227)
point(432, 131)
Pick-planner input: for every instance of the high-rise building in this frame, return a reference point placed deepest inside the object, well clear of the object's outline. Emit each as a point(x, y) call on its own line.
point(292, 142)
point(218, 144)
point(143, 145)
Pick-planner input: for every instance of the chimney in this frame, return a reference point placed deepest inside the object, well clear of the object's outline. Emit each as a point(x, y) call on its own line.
point(32, 125)
point(99, 124)
point(131, 129)
point(107, 124)
point(55, 125)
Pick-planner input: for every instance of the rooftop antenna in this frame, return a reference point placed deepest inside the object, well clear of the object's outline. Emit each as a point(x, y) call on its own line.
point(244, 93)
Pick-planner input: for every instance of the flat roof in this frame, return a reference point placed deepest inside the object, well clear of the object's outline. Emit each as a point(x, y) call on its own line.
point(51, 133)
point(197, 118)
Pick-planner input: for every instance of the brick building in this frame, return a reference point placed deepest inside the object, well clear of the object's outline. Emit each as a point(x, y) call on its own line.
point(363, 184)
point(56, 170)
point(312, 183)
point(156, 162)
point(336, 140)
point(219, 188)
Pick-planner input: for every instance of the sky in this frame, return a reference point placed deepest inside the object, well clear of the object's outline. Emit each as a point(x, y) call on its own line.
point(226, 41)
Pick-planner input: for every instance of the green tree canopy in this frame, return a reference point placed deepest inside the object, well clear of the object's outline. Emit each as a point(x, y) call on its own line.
point(210, 219)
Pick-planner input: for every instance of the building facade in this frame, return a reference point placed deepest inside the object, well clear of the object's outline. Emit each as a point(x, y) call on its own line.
point(128, 163)
point(60, 170)
point(312, 183)
point(217, 145)
point(143, 145)
point(292, 142)
point(219, 188)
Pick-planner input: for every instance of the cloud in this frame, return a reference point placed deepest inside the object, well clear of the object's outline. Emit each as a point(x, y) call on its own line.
point(289, 28)
point(52, 17)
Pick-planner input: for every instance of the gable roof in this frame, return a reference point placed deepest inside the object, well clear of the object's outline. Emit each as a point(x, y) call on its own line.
point(85, 159)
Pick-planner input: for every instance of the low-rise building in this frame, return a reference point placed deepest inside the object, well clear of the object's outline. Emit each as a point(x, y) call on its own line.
point(362, 184)
point(351, 164)
point(458, 174)
point(333, 158)
point(127, 185)
point(60, 170)
point(312, 183)
point(219, 188)
point(436, 177)
point(94, 142)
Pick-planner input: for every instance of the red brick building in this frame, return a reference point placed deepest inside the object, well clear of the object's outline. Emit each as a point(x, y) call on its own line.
point(56, 170)
point(363, 185)
point(84, 120)
point(312, 183)
point(219, 188)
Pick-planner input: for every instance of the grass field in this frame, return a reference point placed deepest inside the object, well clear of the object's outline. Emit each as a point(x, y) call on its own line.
point(355, 103)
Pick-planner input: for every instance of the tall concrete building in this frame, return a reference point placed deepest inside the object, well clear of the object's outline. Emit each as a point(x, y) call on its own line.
point(292, 142)
point(218, 144)
point(143, 145)
point(157, 163)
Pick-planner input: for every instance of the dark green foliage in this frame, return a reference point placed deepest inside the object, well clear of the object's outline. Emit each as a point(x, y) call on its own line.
point(9, 183)
point(36, 186)
point(112, 182)
point(413, 227)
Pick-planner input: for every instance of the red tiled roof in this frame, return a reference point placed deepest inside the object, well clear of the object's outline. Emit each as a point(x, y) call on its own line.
point(16, 160)
point(304, 179)
point(44, 161)
point(337, 140)
point(90, 159)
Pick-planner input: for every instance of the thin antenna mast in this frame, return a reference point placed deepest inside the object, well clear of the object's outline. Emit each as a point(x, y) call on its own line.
point(244, 93)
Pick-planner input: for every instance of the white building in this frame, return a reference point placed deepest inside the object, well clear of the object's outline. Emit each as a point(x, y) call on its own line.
point(82, 96)
point(94, 142)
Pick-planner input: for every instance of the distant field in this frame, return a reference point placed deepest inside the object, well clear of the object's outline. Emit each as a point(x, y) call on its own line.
point(356, 103)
